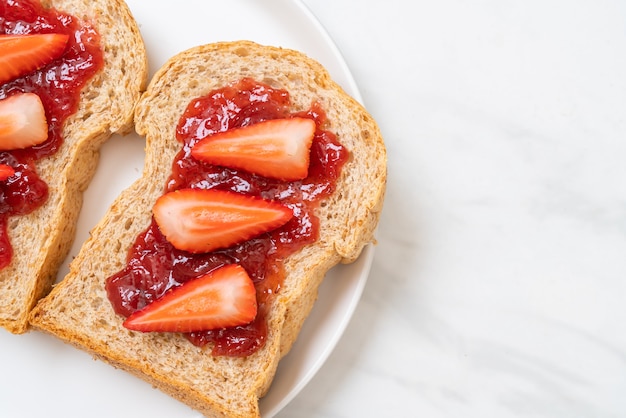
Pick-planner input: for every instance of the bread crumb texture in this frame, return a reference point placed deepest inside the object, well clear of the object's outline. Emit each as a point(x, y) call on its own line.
point(219, 386)
point(42, 239)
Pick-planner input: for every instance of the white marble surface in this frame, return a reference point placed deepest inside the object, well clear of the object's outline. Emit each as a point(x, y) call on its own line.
point(499, 283)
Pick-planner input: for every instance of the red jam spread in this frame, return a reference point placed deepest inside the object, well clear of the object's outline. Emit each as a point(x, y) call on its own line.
point(154, 265)
point(58, 85)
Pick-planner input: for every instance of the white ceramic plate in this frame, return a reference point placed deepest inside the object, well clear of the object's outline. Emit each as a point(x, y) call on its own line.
point(41, 376)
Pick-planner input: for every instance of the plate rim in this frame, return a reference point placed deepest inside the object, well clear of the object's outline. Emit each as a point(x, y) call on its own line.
point(340, 67)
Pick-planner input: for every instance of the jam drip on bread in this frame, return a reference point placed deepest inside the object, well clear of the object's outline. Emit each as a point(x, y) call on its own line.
point(58, 85)
point(155, 266)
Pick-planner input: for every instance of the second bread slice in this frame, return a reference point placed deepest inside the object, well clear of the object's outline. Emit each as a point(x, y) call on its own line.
point(78, 310)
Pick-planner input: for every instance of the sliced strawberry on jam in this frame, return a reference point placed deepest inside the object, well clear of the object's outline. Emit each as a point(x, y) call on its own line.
point(201, 221)
point(277, 148)
point(23, 54)
point(22, 122)
point(6, 171)
point(223, 298)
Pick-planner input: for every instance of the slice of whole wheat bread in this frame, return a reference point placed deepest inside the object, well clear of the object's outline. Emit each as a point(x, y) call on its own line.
point(78, 310)
point(42, 239)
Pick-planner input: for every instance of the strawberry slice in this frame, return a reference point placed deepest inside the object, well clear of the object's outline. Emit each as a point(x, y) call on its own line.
point(6, 171)
point(22, 54)
point(200, 221)
point(277, 148)
point(22, 122)
point(223, 298)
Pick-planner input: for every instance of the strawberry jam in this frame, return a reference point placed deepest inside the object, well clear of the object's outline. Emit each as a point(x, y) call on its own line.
point(58, 85)
point(154, 265)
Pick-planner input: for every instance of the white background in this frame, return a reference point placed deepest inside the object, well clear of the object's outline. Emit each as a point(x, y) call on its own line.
point(499, 283)
point(498, 286)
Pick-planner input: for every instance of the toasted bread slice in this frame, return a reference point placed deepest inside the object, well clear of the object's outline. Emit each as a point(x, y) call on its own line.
point(42, 239)
point(78, 310)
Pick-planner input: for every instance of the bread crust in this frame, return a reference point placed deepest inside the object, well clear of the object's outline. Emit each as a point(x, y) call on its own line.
point(219, 386)
point(42, 239)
